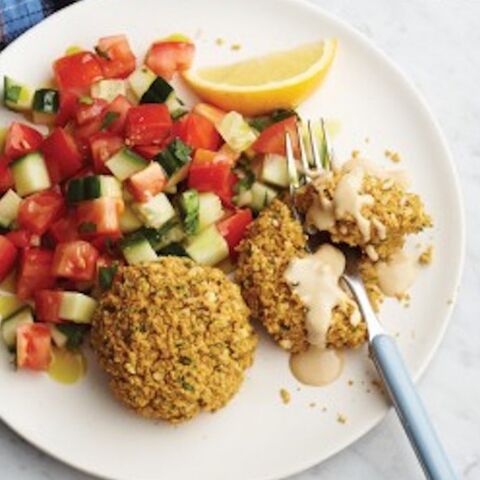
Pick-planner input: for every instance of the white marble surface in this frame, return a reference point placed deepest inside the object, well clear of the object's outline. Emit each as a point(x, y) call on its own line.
point(436, 42)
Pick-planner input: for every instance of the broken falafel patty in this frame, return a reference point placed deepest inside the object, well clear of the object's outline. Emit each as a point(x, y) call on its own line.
point(394, 212)
point(272, 241)
point(174, 338)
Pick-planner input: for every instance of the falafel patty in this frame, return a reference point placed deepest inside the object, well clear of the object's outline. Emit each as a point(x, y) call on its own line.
point(273, 240)
point(174, 338)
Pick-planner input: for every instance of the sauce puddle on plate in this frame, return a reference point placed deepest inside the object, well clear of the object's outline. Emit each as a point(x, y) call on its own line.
point(67, 367)
point(317, 366)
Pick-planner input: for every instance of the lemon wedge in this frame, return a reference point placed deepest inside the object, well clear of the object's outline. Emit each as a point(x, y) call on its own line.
point(259, 85)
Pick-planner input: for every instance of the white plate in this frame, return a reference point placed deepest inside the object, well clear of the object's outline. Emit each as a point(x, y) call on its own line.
point(256, 436)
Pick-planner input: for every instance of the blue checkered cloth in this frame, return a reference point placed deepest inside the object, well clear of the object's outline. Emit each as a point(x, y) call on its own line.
point(16, 16)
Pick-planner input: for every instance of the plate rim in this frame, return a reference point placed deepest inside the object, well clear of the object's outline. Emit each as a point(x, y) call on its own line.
point(362, 39)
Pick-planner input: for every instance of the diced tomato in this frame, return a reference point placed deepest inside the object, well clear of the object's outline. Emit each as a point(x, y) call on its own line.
point(83, 133)
point(86, 112)
point(47, 306)
point(77, 72)
point(272, 139)
point(103, 145)
point(105, 243)
point(21, 139)
point(148, 124)
point(120, 105)
point(203, 155)
point(99, 217)
point(148, 151)
point(34, 272)
point(75, 260)
point(146, 183)
point(67, 107)
point(197, 131)
point(64, 229)
point(234, 227)
point(207, 156)
point(168, 57)
point(8, 255)
point(84, 172)
point(6, 178)
point(211, 113)
point(212, 176)
point(23, 238)
point(34, 346)
point(62, 156)
point(117, 59)
point(38, 211)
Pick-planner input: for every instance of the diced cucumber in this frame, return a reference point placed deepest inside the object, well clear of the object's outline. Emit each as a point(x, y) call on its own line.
point(9, 304)
point(125, 163)
point(140, 81)
point(274, 170)
point(158, 92)
point(261, 196)
point(236, 132)
point(176, 178)
point(137, 249)
point(102, 186)
point(9, 327)
point(75, 190)
point(106, 275)
point(46, 100)
point(170, 232)
point(175, 106)
point(74, 334)
point(16, 96)
point(154, 213)
point(59, 338)
point(30, 174)
point(175, 160)
point(208, 247)
point(189, 206)
point(173, 250)
point(210, 209)
point(108, 89)
point(77, 307)
point(243, 199)
point(92, 187)
point(9, 204)
point(129, 222)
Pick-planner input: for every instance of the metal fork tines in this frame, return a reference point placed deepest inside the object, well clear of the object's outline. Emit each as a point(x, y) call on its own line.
point(314, 161)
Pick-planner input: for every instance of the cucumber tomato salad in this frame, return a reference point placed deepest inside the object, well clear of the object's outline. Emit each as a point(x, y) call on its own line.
point(126, 174)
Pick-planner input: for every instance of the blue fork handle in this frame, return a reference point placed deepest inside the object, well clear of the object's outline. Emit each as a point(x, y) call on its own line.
point(410, 409)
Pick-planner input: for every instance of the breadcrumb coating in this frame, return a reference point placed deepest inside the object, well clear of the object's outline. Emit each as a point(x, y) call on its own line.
point(272, 241)
point(174, 338)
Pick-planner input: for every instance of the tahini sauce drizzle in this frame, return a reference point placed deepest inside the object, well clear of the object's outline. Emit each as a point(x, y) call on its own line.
point(315, 279)
point(398, 274)
point(348, 199)
point(317, 366)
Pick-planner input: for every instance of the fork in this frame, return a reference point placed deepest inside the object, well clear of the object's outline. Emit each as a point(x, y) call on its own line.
point(382, 347)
